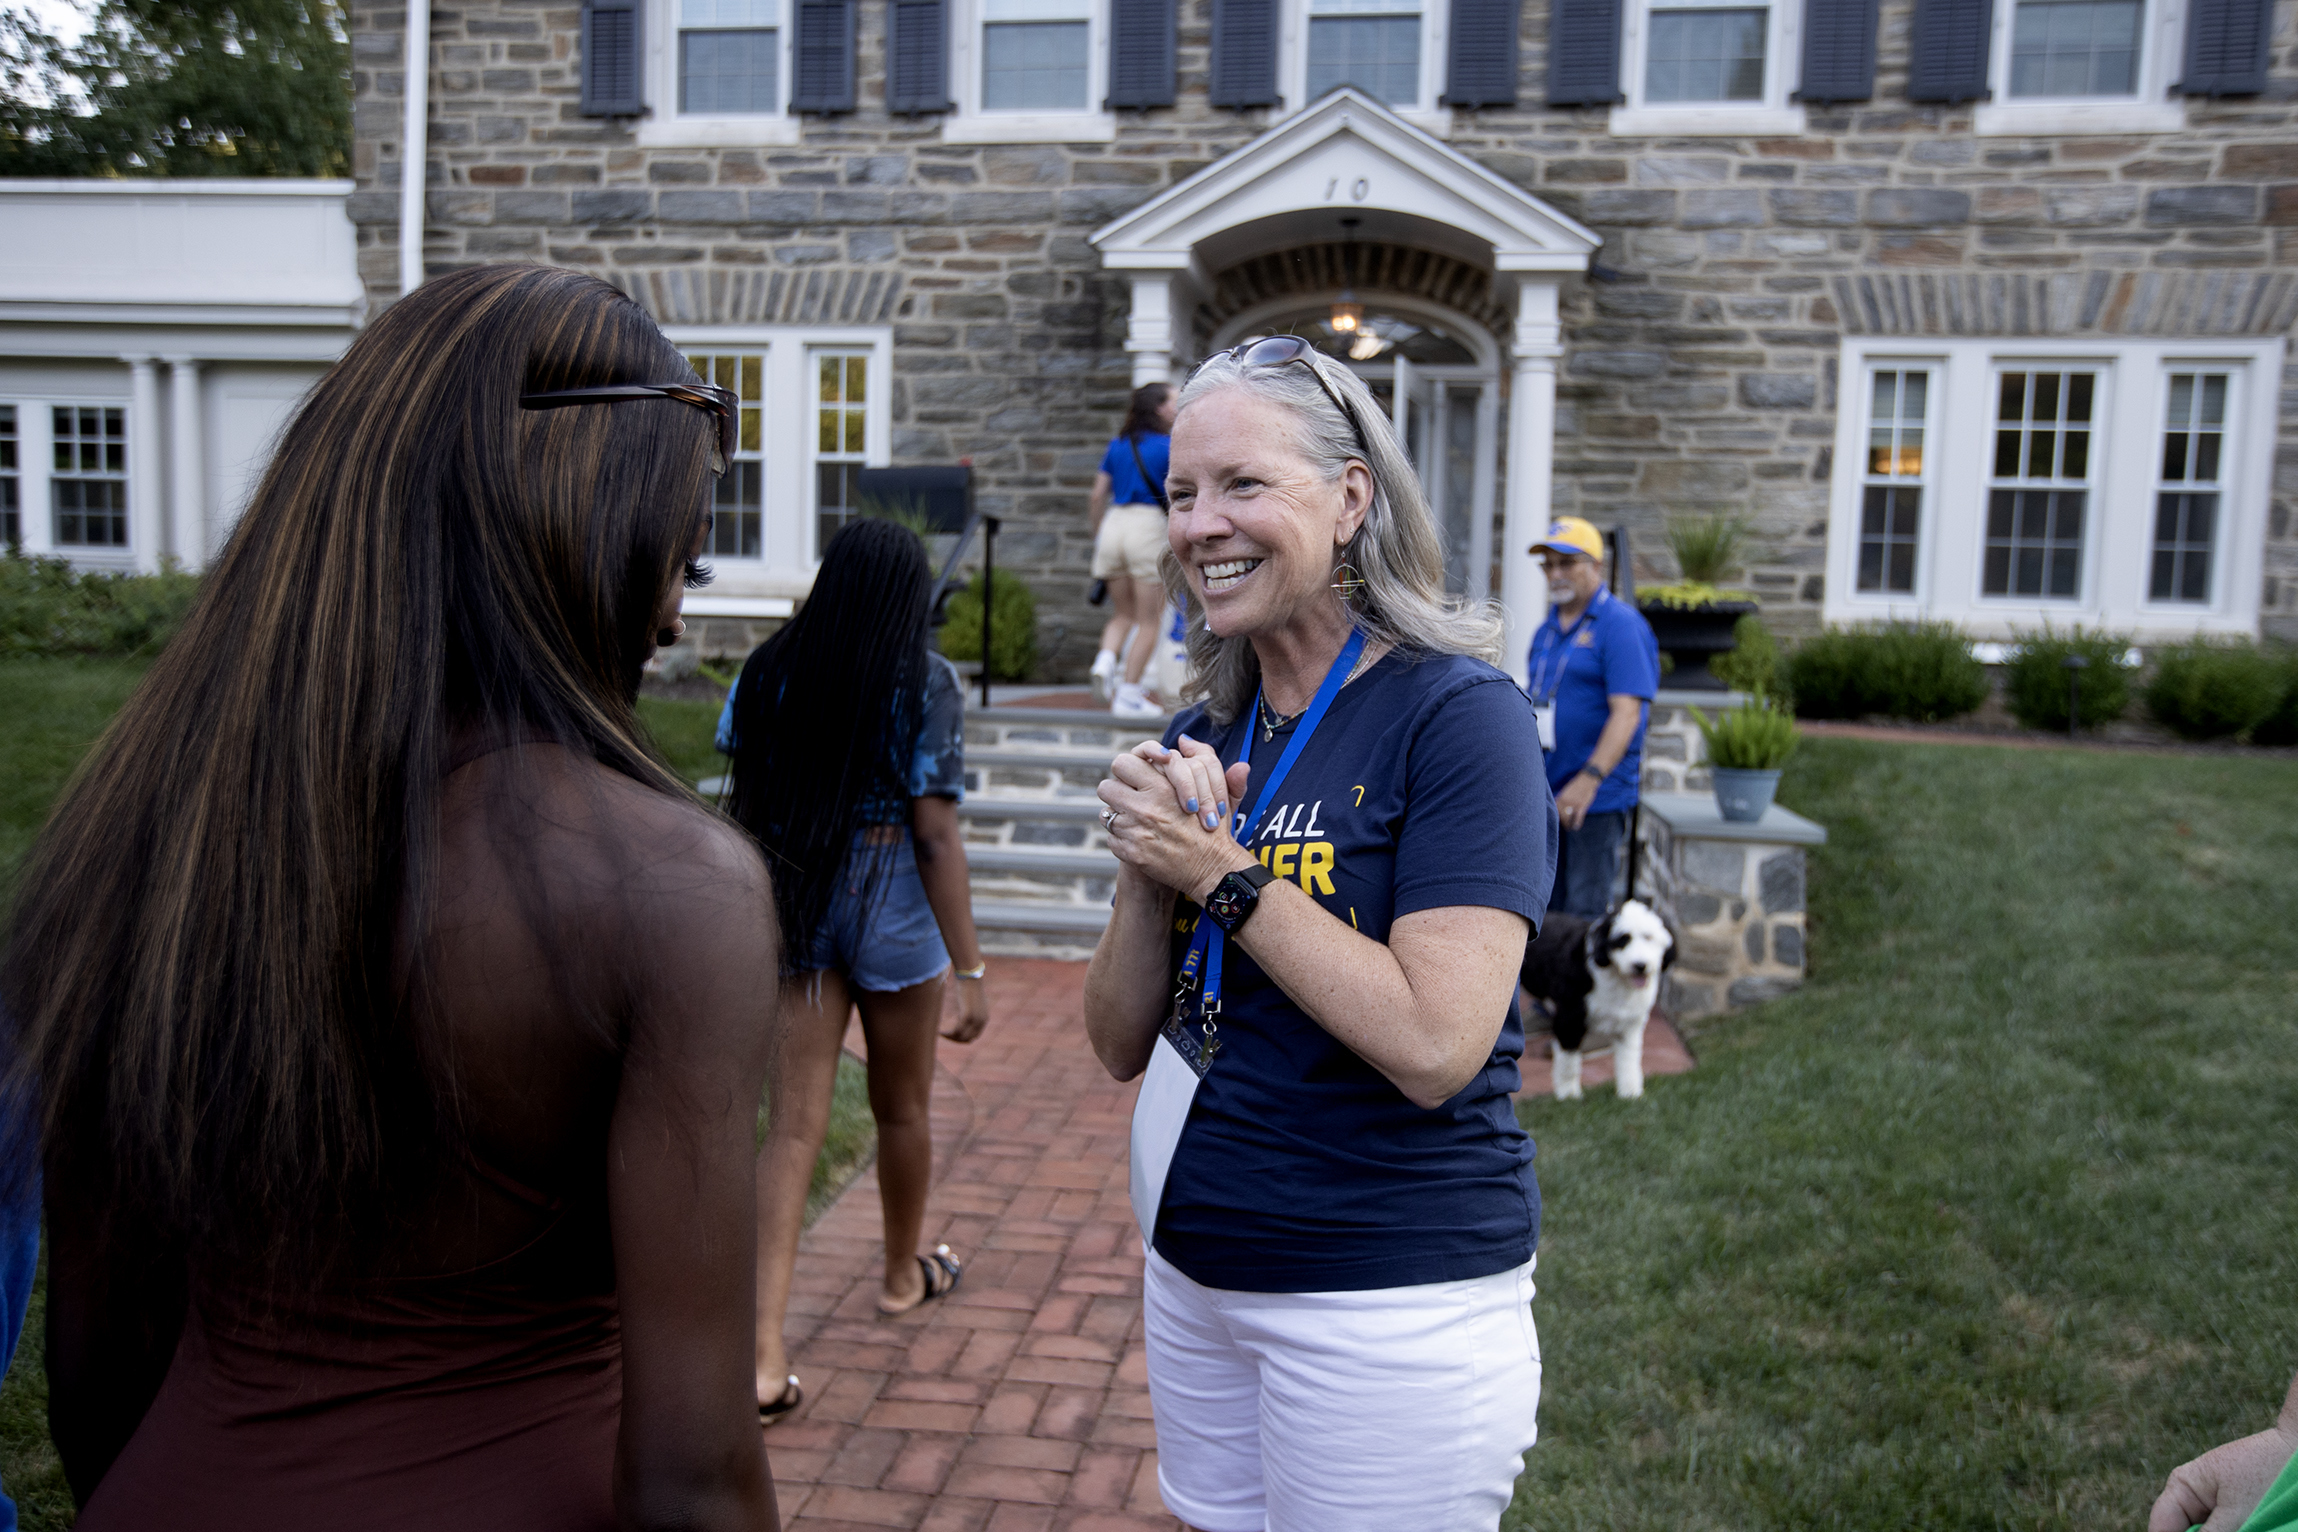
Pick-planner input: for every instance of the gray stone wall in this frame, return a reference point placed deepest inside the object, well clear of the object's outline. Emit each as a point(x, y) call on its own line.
point(1701, 379)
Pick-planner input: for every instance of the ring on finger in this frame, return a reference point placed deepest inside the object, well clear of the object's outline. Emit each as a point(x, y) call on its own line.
point(1108, 819)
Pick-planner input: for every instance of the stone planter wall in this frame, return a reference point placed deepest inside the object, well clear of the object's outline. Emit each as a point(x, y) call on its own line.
point(1735, 894)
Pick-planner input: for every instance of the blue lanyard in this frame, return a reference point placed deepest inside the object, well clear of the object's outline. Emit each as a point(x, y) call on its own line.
point(1207, 938)
point(1543, 690)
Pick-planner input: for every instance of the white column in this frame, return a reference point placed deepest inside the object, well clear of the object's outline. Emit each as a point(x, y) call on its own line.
point(187, 471)
point(1149, 332)
point(147, 494)
point(1531, 459)
point(1487, 480)
point(414, 144)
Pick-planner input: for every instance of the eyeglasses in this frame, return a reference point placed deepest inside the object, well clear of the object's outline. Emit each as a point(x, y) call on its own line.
point(721, 402)
point(1282, 350)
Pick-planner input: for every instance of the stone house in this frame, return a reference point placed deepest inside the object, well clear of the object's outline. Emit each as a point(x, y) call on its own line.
point(1979, 308)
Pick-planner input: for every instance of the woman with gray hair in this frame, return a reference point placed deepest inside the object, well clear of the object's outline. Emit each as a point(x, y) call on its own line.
point(1327, 873)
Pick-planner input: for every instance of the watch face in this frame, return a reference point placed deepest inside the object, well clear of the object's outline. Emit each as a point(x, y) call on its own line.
point(1227, 903)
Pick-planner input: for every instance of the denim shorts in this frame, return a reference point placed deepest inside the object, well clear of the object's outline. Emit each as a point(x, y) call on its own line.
point(892, 943)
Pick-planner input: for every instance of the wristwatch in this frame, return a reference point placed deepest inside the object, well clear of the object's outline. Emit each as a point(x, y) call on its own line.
point(1593, 770)
point(1237, 896)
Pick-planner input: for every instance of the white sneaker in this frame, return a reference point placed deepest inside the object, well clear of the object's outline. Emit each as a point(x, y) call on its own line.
point(1133, 702)
point(1104, 675)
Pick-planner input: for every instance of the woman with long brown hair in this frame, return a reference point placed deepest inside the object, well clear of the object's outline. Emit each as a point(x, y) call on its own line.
point(395, 1017)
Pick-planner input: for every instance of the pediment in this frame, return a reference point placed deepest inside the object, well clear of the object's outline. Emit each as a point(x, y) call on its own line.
point(1347, 156)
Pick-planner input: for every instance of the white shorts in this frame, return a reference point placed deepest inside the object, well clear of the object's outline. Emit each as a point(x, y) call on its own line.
point(1131, 541)
point(1401, 1407)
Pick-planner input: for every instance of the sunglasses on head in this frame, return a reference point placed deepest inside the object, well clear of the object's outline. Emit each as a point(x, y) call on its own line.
point(1284, 350)
point(721, 402)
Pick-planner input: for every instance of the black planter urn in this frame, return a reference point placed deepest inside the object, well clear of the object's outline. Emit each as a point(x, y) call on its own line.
point(1693, 635)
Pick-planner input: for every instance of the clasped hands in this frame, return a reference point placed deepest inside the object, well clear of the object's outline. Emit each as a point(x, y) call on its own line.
point(1169, 814)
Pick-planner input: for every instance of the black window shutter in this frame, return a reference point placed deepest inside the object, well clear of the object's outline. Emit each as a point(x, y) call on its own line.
point(1482, 68)
point(2226, 47)
point(1838, 51)
point(1947, 50)
point(610, 55)
point(1244, 61)
point(917, 56)
point(1583, 52)
point(822, 57)
point(1141, 44)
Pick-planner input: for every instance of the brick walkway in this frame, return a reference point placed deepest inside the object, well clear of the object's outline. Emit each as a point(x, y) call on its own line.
point(1020, 1403)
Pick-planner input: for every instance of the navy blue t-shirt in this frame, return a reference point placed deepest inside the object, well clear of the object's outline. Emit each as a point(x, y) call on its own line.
point(1126, 486)
point(1301, 1168)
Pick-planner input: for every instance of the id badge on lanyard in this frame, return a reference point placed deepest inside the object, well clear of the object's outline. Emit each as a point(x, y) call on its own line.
point(1184, 1055)
point(1544, 714)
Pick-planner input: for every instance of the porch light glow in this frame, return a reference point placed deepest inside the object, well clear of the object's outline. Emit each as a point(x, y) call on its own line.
point(1348, 314)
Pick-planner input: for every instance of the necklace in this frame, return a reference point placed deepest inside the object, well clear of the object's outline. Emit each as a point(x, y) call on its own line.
point(1272, 721)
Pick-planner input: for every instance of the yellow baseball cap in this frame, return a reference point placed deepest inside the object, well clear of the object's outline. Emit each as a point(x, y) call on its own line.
point(1570, 534)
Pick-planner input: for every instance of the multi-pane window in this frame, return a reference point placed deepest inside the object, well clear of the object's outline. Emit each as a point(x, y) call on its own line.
point(2040, 489)
point(88, 493)
point(1371, 44)
point(729, 57)
point(737, 527)
point(2186, 505)
point(841, 439)
point(1705, 55)
point(11, 497)
point(2075, 47)
point(1892, 480)
point(1035, 56)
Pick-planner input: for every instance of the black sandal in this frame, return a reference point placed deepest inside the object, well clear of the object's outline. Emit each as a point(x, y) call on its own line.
point(941, 1270)
point(782, 1404)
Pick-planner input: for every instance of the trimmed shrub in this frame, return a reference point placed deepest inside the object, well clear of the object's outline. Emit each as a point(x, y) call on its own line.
point(2280, 727)
point(1923, 671)
point(47, 608)
point(1012, 627)
point(2035, 677)
point(2205, 689)
point(1753, 664)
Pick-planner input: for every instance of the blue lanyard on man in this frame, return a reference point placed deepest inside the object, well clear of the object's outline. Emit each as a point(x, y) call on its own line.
point(1544, 682)
point(1207, 939)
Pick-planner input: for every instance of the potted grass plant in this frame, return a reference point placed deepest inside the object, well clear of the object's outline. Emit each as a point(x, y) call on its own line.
point(1747, 746)
point(1693, 618)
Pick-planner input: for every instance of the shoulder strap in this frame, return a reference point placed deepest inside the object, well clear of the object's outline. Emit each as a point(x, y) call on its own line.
point(1142, 469)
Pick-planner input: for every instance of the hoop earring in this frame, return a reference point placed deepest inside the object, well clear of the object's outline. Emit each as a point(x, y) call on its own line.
point(1347, 583)
point(664, 638)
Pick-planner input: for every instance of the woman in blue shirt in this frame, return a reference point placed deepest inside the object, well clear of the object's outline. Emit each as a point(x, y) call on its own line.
point(1337, 1200)
point(1128, 511)
point(848, 737)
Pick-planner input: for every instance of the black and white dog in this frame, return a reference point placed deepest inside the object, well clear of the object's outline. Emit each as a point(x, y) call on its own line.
point(1601, 978)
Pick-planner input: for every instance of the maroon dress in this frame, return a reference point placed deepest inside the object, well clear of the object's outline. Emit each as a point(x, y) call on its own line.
point(487, 1398)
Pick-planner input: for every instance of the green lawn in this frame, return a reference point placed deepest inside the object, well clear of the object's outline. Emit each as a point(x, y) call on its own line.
point(51, 710)
point(1989, 1226)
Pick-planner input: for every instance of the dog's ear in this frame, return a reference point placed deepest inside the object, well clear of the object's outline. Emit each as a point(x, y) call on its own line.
point(1600, 943)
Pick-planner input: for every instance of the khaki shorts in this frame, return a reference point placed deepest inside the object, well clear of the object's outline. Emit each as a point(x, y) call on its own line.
point(1132, 540)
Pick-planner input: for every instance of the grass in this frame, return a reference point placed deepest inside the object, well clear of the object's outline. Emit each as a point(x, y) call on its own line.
point(54, 709)
point(1987, 1227)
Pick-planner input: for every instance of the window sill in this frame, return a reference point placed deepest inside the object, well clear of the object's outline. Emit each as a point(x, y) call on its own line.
point(718, 132)
point(1995, 119)
point(1030, 128)
point(1706, 121)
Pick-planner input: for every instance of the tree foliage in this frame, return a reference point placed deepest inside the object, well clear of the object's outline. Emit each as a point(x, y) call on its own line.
point(179, 88)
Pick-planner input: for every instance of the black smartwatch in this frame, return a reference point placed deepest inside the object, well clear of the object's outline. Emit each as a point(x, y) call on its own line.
point(1593, 770)
point(1237, 896)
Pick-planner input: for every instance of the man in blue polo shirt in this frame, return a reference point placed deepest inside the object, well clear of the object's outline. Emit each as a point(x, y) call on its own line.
point(1594, 669)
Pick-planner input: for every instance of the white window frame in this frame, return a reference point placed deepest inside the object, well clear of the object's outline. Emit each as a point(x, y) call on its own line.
point(1435, 46)
point(1925, 484)
point(2149, 109)
point(666, 127)
point(2118, 529)
point(968, 123)
point(13, 475)
point(765, 586)
point(36, 466)
point(1775, 115)
point(2238, 386)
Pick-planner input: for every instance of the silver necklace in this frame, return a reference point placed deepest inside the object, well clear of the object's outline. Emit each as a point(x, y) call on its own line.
point(1271, 722)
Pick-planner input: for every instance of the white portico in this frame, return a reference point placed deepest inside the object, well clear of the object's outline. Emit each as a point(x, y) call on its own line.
point(1440, 278)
